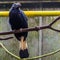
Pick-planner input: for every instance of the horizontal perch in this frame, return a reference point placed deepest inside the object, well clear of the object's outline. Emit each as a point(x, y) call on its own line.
point(33, 13)
point(23, 30)
point(33, 28)
point(28, 29)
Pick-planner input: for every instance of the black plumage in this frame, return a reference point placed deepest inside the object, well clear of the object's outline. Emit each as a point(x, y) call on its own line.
point(17, 20)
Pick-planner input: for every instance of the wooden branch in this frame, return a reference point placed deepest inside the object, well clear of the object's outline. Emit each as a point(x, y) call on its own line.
point(32, 28)
point(54, 29)
point(54, 21)
point(6, 38)
point(50, 25)
point(24, 30)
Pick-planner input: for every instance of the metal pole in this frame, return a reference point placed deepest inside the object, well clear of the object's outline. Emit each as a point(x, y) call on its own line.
point(33, 13)
point(40, 37)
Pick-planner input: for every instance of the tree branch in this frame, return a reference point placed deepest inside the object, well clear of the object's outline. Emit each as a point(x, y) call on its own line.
point(32, 28)
point(23, 30)
point(6, 38)
point(54, 21)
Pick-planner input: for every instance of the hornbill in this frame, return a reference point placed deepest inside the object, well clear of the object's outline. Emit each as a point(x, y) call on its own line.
point(18, 20)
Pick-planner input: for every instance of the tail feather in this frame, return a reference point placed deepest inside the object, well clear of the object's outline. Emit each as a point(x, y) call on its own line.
point(24, 53)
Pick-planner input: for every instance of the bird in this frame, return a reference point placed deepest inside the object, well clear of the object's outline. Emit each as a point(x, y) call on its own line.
point(18, 20)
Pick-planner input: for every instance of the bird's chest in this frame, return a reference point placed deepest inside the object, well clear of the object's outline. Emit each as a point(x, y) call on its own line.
point(18, 21)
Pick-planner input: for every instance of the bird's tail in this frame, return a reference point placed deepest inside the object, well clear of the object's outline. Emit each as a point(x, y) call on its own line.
point(23, 52)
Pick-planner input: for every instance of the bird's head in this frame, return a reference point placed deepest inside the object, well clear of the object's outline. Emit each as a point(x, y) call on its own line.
point(16, 5)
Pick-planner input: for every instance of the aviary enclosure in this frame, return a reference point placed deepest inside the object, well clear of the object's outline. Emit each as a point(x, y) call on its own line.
point(45, 41)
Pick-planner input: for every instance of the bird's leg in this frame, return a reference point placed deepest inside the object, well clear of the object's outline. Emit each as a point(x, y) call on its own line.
point(23, 44)
point(23, 48)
